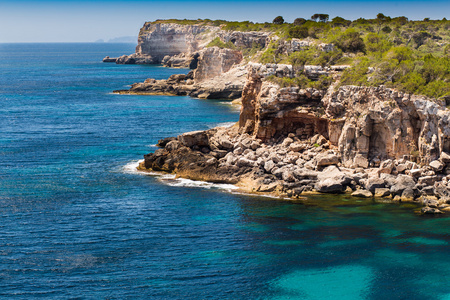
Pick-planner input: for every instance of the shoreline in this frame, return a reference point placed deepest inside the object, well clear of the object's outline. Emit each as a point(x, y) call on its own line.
point(306, 198)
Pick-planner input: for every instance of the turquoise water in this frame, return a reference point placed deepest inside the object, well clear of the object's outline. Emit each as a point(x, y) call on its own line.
point(77, 222)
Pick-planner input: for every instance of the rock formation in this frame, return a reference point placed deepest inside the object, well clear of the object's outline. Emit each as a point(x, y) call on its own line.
point(371, 141)
point(218, 76)
point(167, 39)
point(288, 141)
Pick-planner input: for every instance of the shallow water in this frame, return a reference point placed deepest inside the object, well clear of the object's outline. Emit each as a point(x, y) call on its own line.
point(76, 220)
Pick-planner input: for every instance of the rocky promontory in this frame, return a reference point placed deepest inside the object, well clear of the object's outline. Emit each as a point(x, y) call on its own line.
point(290, 141)
point(218, 75)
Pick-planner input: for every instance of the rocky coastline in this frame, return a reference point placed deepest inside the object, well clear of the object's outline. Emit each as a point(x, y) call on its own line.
point(291, 142)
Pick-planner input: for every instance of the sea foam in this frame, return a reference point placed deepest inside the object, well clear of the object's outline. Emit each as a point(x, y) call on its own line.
point(170, 179)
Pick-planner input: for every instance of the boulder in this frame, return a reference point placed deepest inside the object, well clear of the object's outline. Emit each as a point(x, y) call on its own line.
point(427, 190)
point(225, 143)
point(386, 166)
point(436, 165)
point(330, 185)
point(442, 190)
point(219, 153)
point(373, 183)
point(287, 141)
point(429, 210)
point(163, 142)
point(445, 157)
point(389, 179)
point(401, 183)
point(255, 145)
point(110, 59)
point(407, 195)
point(332, 180)
point(327, 159)
point(362, 194)
point(296, 147)
point(302, 173)
point(415, 172)
point(361, 161)
point(244, 162)
point(400, 168)
point(269, 165)
point(173, 145)
point(194, 138)
point(238, 150)
point(427, 180)
point(433, 203)
point(382, 192)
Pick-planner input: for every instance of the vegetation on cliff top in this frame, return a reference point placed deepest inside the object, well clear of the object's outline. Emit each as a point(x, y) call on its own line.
point(412, 56)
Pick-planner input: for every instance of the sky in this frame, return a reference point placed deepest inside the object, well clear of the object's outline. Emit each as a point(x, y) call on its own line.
point(88, 21)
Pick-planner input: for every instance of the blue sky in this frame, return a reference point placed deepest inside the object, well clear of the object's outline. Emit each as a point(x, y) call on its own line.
point(87, 21)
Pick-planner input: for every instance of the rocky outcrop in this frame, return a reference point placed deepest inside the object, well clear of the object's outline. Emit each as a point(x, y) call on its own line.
point(373, 142)
point(213, 62)
point(182, 60)
point(174, 45)
point(295, 45)
point(110, 59)
point(168, 43)
point(248, 40)
point(269, 112)
point(217, 76)
point(372, 124)
point(169, 39)
point(132, 59)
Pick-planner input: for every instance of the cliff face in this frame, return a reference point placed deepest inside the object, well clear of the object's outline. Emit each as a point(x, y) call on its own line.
point(245, 39)
point(176, 45)
point(270, 112)
point(377, 123)
point(213, 62)
point(160, 40)
point(367, 124)
point(218, 75)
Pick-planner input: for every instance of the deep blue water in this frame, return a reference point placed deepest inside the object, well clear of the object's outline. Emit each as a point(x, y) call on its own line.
point(76, 221)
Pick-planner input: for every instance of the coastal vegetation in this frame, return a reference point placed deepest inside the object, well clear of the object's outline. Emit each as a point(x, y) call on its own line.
point(411, 56)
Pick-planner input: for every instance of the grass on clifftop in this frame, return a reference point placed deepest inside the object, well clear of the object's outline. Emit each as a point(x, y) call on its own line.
point(412, 56)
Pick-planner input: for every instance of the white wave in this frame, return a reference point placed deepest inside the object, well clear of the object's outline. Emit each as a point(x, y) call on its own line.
point(131, 167)
point(194, 183)
point(170, 179)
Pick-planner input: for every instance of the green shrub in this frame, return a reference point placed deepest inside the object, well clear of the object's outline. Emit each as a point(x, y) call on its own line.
point(217, 42)
point(278, 20)
point(377, 44)
point(299, 21)
point(298, 32)
point(350, 41)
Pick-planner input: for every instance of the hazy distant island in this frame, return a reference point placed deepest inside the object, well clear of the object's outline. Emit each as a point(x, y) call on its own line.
point(122, 39)
point(328, 106)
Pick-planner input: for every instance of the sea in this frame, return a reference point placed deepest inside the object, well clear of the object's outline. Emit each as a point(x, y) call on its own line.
point(77, 221)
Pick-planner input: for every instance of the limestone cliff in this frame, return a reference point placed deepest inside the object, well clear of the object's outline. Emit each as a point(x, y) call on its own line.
point(377, 123)
point(366, 124)
point(176, 45)
point(372, 141)
point(167, 39)
point(218, 75)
